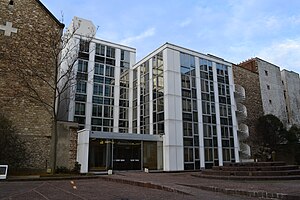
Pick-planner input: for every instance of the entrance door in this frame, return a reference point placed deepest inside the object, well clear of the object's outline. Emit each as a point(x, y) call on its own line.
point(127, 155)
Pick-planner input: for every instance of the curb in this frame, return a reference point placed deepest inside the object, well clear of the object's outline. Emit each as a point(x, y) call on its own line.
point(259, 194)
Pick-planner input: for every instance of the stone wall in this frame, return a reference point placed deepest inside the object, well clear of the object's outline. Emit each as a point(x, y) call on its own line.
point(250, 81)
point(27, 67)
point(67, 144)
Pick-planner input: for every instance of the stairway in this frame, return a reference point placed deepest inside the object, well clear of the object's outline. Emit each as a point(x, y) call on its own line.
point(253, 171)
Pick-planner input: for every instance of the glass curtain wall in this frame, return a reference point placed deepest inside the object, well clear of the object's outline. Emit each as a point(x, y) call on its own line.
point(144, 99)
point(158, 94)
point(81, 84)
point(104, 81)
point(225, 113)
point(209, 114)
point(135, 97)
point(124, 103)
point(189, 112)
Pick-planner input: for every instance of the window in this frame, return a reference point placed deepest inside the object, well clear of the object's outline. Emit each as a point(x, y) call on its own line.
point(100, 49)
point(185, 81)
point(98, 89)
point(80, 97)
point(79, 120)
point(222, 89)
point(266, 73)
point(108, 111)
point(81, 87)
point(82, 66)
point(99, 69)
point(204, 85)
point(110, 52)
point(270, 101)
point(268, 87)
point(110, 71)
point(186, 105)
point(79, 108)
point(97, 110)
point(223, 110)
point(96, 121)
point(84, 46)
point(108, 91)
point(125, 55)
point(206, 107)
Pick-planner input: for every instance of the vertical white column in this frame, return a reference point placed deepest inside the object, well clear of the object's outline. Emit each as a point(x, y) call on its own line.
point(117, 91)
point(90, 84)
point(151, 96)
point(234, 119)
point(138, 100)
point(173, 138)
point(217, 105)
point(130, 110)
point(130, 115)
point(200, 119)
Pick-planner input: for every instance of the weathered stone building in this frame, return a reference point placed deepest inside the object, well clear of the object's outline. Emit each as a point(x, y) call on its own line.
point(279, 90)
point(247, 77)
point(28, 31)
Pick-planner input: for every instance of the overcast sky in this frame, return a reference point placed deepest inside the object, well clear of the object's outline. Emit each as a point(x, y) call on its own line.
point(235, 30)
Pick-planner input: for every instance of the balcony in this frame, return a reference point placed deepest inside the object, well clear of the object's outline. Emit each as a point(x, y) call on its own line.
point(243, 132)
point(241, 111)
point(239, 93)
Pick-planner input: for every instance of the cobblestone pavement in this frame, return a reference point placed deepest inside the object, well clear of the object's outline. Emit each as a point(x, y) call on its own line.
point(99, 189)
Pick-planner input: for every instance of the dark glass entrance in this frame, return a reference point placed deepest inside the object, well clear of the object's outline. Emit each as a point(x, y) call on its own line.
point(127, 155)
point(100, 153)
point(114, 154)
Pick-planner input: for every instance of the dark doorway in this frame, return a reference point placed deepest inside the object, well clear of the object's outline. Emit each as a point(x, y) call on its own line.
point(127, 155)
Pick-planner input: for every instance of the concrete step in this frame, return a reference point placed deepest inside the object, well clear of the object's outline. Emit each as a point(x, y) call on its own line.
point(254, 164)
point(256, 168)
point(249, 178)
point(251, 173)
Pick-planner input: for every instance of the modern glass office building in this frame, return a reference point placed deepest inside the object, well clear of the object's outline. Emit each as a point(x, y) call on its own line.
point(173, 110)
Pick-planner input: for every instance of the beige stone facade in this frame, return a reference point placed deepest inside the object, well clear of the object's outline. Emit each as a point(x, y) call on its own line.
point(27, 66)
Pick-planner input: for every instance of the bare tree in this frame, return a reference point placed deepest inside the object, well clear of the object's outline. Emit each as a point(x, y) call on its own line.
point(47, 85)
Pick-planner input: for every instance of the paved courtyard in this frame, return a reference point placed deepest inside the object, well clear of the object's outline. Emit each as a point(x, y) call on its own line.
point(140, 185)
point(97, 189)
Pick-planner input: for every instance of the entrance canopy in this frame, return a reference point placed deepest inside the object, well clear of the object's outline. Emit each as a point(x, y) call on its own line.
point(100, 151)
point(125, 136)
